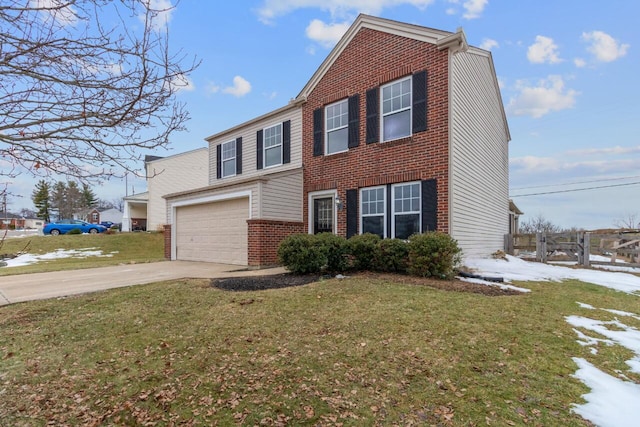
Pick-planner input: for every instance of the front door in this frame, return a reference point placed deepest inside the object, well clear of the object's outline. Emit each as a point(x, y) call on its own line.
point(323, 215)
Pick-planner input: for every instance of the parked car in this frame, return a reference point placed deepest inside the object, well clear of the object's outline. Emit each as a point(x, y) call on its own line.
point(107, 224)
point(63, 226)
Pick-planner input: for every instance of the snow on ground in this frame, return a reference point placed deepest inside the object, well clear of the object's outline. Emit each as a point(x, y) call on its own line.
point(26, 259)
point(612, 401)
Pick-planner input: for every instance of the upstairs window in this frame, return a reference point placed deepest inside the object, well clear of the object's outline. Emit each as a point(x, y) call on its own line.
point(337, 127)
point(396, 109)
point(228, 159)
point(273, 146)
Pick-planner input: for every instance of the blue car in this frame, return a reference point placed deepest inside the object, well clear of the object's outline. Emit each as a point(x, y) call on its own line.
point(63, 226)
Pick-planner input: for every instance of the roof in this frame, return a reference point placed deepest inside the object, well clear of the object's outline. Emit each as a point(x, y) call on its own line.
point(513, 208)
point(140, 197)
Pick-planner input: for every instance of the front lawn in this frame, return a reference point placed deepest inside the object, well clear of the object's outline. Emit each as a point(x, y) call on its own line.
point(357, 351)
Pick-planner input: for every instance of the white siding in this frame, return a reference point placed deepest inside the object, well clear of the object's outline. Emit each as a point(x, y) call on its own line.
point(249, 146)
point(282, 197)
point(171, 175)
point(479, 214)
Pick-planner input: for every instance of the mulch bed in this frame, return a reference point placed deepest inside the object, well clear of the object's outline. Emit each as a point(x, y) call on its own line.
point(258, 283)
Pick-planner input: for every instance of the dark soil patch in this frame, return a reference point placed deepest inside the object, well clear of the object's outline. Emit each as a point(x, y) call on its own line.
point(258, 283)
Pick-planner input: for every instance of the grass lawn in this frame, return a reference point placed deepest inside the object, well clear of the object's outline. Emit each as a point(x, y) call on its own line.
point(358, 351)
point(116, 249)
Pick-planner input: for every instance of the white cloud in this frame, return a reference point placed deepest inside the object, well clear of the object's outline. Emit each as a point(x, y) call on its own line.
point(327, 35)
point(607, 150)
point(271, 9)
point(182, 82)
point(604, 47)
point(543, 50)
point(62, 13)
point(579, 62)
point(474, 8)
point(161, 11)
point(240, 87)
point(488, 44)
point(548, 95)
point(213, 88)
point(586, 168)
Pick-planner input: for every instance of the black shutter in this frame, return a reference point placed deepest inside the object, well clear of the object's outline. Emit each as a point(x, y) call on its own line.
point(286, 142)
point(419, 102)
point(354, 121)
point(259, 143)
point(389, 215)
point(318, 130)
point(352, 213)
point(238, 155)
point(429, 205)
point(373, 124)
point(218, 161)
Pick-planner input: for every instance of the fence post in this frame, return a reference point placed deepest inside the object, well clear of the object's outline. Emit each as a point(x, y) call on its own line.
point(586, 244)
point(541, 247)
point(508, 243)
point(580, 247)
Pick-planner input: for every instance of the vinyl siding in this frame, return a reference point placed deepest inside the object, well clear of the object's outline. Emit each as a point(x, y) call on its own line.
point(249, 143)
point(282, 197)
point(479, 156)
point(170, 175)
point(203, 193)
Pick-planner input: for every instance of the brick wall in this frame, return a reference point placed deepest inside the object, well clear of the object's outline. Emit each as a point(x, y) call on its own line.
point(371, 59)
point(264, 238)
point(167, 241)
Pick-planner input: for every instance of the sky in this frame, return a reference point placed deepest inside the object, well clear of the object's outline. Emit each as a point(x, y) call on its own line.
point(567, 72)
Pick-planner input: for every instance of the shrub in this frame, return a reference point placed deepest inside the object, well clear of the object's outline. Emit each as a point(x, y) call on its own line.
point(74, 231)
point(433, 254)
point(335, 249)
point(363, 247)
point(301, 254)
point(391, 256)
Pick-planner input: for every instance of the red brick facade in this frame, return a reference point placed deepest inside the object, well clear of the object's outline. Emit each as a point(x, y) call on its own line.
point(371, 59)
point(265, 237)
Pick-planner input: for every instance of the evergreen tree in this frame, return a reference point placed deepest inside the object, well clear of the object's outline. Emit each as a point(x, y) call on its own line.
point(41, 200)
point(59, 201)
point(89, 198)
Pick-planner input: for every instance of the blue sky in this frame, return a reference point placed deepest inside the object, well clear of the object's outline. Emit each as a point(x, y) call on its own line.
point(567, 70)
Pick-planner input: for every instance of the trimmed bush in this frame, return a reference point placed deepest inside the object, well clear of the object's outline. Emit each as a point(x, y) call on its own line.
point(363, 248)
point(301, 254)
point(391, 256)
point(433, 254)
point(74, 231)
point(335, 249)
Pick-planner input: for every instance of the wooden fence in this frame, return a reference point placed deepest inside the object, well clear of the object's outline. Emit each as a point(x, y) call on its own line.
point(579, 247)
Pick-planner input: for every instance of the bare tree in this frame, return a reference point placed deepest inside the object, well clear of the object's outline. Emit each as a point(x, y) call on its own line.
point(539, 224)
point(629, 220)
point(86, 85)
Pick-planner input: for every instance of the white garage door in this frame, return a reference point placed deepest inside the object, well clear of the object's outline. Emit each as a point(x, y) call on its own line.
point(213, 232)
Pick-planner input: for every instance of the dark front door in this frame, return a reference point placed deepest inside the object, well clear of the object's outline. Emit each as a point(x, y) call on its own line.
point(323, 215)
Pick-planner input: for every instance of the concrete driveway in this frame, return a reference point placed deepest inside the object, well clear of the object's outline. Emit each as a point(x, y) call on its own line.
point(28, 287)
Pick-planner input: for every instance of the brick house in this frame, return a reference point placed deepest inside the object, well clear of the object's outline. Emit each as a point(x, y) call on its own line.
point(400, 130)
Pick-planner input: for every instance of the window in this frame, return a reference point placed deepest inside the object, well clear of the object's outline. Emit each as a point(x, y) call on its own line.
point(337, 127)
point(406, 209)
point(372, 209)
point(396, 109)
point(273, 146)
point(228, 159)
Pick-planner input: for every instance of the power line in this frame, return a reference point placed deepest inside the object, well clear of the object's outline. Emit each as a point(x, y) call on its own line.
point(577, 182)
point(576, 189)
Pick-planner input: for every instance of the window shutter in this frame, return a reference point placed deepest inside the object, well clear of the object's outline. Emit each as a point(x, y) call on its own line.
point(286, 142)
point(389, 214)
point(429, 205)
point(373, 123)
point(238, 155)
point(419, 102)
point(218, 161)
point(352, 213)
point(318, 128)
point(260, 141)
point(354, 121)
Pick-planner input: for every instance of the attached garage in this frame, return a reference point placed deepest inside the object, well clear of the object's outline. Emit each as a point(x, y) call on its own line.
point(213, 232)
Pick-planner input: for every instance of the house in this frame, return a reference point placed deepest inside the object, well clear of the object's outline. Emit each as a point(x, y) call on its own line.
point(148, 210)
point(400, 130)
point(9, 221)
point(96, 216)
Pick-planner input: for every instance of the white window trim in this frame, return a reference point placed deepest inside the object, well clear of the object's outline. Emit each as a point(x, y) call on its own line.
point(384, 213)
point(393, 206)
point(264, 146)
point(321, 195)
point(326, 128)
point(222, 159)
point(410, 107)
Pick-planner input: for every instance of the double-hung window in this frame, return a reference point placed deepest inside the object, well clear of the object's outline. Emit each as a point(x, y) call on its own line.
point(373, 211)
point(406, 209)
point(273, 146)
point(337, 127)
point(228, 161)
point(396, 109)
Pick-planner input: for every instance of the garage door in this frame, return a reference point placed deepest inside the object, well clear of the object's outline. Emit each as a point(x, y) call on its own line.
point(213, 232)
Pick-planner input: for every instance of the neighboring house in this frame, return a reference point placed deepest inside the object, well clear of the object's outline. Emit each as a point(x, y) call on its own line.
point(11, 221)
point(96, 216)
point(400, 130)
point(148, 211)
point(33, 223)
point(514, 218)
